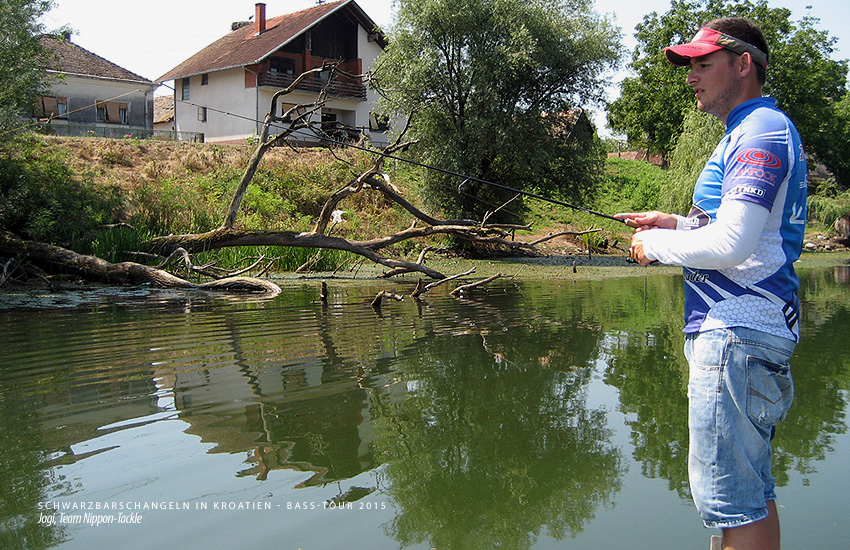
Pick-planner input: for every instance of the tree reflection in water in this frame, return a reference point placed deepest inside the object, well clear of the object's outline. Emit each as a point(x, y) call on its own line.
point(491, 447)
point(473, 415)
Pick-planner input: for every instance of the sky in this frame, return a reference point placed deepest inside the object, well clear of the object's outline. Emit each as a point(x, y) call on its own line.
point(150, 38)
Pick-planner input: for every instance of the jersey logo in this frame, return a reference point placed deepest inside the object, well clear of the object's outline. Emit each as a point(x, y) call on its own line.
point(749, 190)
point(759, 157)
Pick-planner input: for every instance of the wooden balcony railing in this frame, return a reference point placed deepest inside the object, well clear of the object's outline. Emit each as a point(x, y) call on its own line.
point(341, 87)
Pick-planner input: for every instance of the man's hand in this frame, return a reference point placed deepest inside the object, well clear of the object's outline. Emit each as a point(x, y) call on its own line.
point(636, 250)
point(642, 221)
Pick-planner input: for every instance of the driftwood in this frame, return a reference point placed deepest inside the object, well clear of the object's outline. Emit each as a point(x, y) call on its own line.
point(298, 119)
point(423, 288)
point(376, 302)
point(97, 269)
point(463, 288)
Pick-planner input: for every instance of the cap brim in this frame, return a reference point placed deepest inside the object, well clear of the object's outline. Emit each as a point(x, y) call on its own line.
point(682, 54)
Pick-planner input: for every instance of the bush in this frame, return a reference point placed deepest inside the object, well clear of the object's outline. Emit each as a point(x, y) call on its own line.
point(828, 205)
point(41, 199)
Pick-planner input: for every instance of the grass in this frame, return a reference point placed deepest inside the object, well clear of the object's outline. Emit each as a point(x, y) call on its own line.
point(172, 188)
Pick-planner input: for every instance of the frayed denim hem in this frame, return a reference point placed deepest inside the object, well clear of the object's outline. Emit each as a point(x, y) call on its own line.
point(743, 520)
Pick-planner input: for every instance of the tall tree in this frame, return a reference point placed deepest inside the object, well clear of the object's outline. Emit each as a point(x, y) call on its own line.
point(803, 78)
point(21, 58)
point(479, 75)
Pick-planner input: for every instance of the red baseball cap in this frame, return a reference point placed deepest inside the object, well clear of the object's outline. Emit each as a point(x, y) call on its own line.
point(708, 41)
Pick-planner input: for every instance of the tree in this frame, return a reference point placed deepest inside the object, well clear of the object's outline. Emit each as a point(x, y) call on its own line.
point(40, 256)
point(801, 76)
point(479, 75)
point(21, 58)
point(701, 134)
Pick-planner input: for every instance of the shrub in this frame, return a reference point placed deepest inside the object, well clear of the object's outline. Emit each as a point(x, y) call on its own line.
point(41, 199)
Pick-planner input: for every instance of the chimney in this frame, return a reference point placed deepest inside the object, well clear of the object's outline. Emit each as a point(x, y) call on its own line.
point(260, 18)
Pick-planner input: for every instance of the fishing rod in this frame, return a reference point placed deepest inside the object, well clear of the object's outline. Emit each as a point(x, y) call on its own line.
point(467, 179)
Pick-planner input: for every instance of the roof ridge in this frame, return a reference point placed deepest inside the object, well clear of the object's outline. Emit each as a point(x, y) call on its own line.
point(243, 46)
point(67, 43)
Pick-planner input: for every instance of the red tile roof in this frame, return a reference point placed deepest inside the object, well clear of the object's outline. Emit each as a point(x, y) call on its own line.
point(242, 47)
point(66, 57)
point(163, 109)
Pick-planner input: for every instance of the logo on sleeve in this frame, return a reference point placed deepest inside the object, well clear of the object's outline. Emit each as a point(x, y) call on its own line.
point(759, 157)
point(758, 164)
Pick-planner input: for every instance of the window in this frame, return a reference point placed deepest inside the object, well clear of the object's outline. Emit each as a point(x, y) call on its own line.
point(202, 114)
point(379, 123)
point(282, 65)
point(51, 106)
point(205, 79)
point(284, 108)
point(185, 89)
point(112, 112)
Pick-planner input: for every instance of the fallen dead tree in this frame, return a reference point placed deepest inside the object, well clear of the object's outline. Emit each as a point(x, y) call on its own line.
point(374, 179)
point(299, 118)
point(93, 268)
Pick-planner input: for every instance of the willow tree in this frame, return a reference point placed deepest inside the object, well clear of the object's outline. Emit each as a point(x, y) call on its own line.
point(807, 83)
point(21, 58)
point(480, 75)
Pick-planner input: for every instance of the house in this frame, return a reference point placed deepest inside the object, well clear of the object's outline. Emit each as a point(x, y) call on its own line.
point(224, 91)
point(657, 160)
point(90, 95)
point(163, 114)
point(572, 125)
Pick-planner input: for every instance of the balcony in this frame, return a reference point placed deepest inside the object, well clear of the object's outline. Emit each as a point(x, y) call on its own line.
point(342, 87)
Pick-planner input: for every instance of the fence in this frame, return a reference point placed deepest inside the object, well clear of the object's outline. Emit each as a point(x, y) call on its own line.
point(116, 132)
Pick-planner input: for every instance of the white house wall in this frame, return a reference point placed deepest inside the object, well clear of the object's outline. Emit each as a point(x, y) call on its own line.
point(235, 112)
point(231, 109)
point(368, 52)
point(83, 93)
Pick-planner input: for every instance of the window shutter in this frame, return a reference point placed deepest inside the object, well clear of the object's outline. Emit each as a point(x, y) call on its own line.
point(51, 107)
point(112, 114)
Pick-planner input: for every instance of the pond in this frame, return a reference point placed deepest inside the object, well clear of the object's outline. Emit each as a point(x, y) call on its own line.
point(538, 414)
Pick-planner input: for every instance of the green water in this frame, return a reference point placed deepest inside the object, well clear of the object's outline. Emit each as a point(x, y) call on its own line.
point(538, 414)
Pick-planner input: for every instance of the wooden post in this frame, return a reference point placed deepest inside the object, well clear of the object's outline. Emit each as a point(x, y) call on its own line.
point(716, 542)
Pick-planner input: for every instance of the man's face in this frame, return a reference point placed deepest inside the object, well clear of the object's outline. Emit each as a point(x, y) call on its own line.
point(715, 83)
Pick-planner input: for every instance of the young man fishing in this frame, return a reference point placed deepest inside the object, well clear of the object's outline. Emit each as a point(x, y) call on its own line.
point(737, 247)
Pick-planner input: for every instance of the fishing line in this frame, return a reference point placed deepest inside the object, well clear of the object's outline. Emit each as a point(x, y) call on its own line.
point(466, 178)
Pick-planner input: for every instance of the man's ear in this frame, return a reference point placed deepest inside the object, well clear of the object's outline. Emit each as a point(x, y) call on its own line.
point(746, 65)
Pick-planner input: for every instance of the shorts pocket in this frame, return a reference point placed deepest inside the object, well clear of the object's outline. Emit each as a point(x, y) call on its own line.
point(770, 391)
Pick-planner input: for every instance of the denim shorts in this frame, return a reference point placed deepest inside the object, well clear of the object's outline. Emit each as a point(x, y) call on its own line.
point(740, 387)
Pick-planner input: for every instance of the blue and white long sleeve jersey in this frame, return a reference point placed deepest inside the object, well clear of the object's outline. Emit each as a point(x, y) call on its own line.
point(745, 229)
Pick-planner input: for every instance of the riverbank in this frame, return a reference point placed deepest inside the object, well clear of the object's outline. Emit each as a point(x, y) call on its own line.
point(572, 267)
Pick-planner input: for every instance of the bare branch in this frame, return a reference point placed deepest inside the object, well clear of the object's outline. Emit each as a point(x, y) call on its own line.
point(551, 236)
point(470, 286)
point(376, 303)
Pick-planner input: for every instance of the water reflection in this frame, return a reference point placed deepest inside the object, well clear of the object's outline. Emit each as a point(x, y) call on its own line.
point(472, 417)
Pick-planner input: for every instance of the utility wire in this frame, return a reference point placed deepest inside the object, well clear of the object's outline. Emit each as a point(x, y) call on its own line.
point(465, 177)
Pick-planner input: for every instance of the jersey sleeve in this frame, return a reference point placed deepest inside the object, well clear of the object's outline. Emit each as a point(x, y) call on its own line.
point(759, 160)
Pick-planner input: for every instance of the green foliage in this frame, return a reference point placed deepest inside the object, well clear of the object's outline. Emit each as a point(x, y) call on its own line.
point(702, 132)
point(113, 244)
point(22, 58)
point(803, 78)
point(41, 198)
point(630, 186)
point(175, 206)
point(828, 205)
point(838, 146)
point(282, 259)
point(479, 75)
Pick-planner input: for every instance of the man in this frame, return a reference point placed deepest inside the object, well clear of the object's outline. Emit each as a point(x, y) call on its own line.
point(737, 247)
